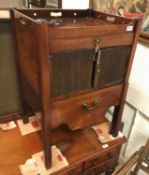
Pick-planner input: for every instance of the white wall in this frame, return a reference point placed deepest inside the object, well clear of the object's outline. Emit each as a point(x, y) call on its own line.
point(136, 111)
point(138, 93)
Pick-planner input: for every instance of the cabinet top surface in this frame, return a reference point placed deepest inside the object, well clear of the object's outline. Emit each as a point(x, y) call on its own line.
point(87, 141)
point(75, 22)
point(72, 18)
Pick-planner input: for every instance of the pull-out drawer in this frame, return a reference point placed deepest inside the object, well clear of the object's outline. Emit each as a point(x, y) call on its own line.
point(101, 158)
point(99, 168)
point(84, 110)
point(74, 170)
point(63, 44)
point(100, 163)
point(78, 170)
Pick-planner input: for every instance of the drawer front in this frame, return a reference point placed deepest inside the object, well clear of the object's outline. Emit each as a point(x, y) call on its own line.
point(75, 170)
point(100, 163)
point(56, 45)
point(96, 165)
point(105, 166)
point(84, 110)
point(101, 158)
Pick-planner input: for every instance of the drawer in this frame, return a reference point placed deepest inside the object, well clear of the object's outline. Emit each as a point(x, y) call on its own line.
point(105, 166)
point(101, 158)
point(96, 164)
point(76, 171)
point(84, 110)
point(73, 170)
point(56, 45)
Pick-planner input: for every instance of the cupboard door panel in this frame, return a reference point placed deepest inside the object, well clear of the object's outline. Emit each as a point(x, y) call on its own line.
point(112, 66)
point(71, 71)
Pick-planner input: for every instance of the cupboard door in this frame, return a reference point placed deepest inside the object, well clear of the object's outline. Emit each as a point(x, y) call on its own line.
point(110, 68)
point(71, 71)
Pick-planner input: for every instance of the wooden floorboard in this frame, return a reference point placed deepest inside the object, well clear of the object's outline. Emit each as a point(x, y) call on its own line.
point(16, 149)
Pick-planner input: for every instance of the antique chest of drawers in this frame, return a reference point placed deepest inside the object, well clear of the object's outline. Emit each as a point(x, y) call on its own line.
point(85, 154)
point(74, 65)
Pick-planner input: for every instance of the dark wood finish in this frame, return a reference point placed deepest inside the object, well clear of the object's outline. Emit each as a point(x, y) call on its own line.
point(45, 13)
point(115, 19)
point(84, 150)
point(44, 81)
point(66, 64)
point(115, 73)
point(57, 44)
point(93, 31)
point(74, 65)
point(79, 117)
point(88, 152)
point(119, 109)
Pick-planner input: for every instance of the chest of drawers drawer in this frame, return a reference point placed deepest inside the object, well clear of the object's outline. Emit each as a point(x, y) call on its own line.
point(105, 166)
point(98, 164)
point(112, 154)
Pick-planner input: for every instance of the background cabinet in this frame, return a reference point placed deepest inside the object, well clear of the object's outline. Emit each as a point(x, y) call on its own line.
point(9, 90)
point(9, 97)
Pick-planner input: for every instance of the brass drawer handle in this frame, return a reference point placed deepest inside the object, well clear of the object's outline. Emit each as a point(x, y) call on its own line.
point(88, 107)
